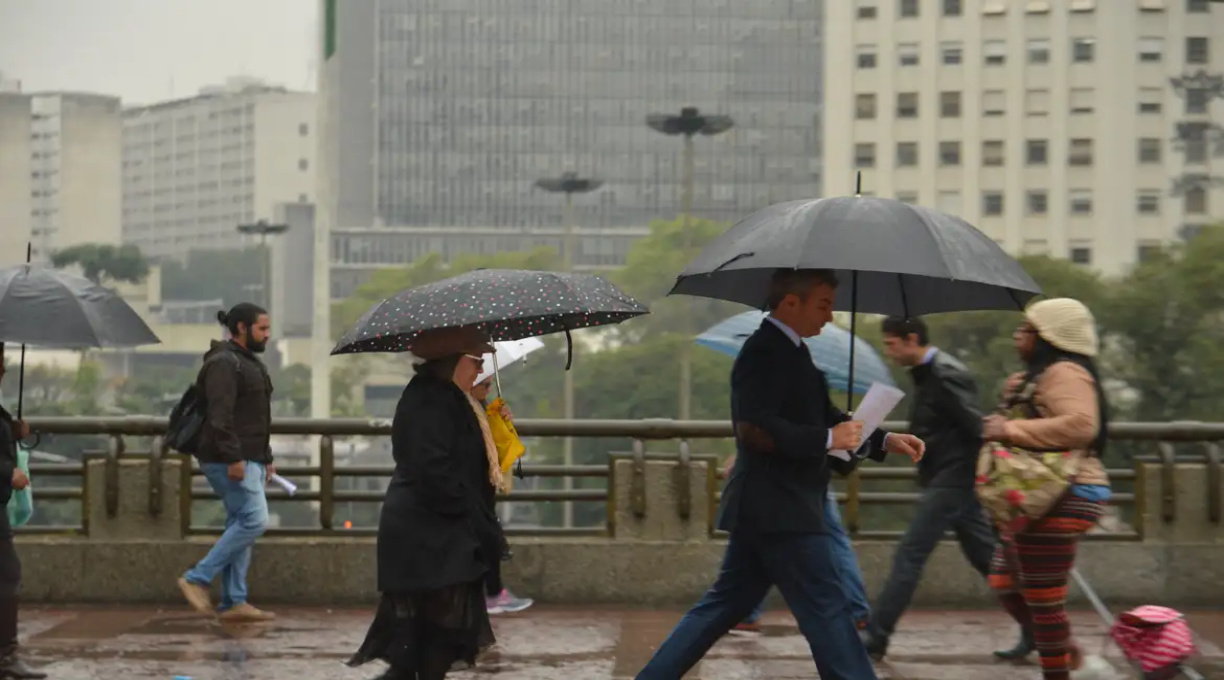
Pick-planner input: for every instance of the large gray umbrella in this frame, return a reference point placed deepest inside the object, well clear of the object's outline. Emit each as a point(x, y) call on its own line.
point(896, 258)
point(52, 308)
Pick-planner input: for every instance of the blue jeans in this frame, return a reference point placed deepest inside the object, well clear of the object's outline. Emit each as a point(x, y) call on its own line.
point(843, 552)
point(805, 569)
point(246, 517)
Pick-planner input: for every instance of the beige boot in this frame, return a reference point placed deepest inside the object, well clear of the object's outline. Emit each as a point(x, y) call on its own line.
point(196, 595)
point(245, 612)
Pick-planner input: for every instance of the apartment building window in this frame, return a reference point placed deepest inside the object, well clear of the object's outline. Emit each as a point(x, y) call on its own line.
point(994, 7)
point(907, 154)
point(865, 106)
point(1039, 51)
point(950, 153)
point(952, 53)
point(1080, 152)
point(1196, 152)
point(994, 52)
point(1149, 150)
point(908, 9)
point(1037, 6)
point(1152, 5)
point(1036, 202)
point(1147, 251)
point(1151, 99)
point(303, 129)
point(1196, 201)
point(993, 102)
point(1082, 100)
point(1037, 102)
point(949, 202)
point(1083, 50)
point(992, 153)
point(992, 203)
point(866, 9)
point(1036, 152)
point(1081, 255)
point(952, 8)
point(1151, 50)
point(1196, 51)
point(950, 104)
point(1198, 6)
point(1083, 5)
point(907, 197)
point(303, 164)
point(1148, 202)
point(907, 104)
point(866, 56)
point(907, 54)
point(864, 155)
point(1197, 100)
point(1081, 202)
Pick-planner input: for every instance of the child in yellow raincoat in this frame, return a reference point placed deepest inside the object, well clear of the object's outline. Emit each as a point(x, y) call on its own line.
point(509, 450)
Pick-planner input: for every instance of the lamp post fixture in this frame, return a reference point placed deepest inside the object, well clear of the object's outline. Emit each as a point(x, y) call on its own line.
point(569, 183)
point(263, 228)
point(690, 122)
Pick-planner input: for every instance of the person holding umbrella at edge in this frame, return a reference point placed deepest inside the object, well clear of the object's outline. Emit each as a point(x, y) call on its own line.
point(12, 479)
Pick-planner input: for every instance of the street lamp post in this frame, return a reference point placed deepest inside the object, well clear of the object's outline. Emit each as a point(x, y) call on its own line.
point(569, 183)
point(263, 228)
point(690, 122)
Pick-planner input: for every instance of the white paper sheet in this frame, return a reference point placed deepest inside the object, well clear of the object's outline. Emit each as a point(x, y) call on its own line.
point(879, 401)
point(283, 483)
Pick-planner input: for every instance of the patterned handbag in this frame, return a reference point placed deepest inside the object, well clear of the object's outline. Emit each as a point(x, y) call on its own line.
point(1016, 485)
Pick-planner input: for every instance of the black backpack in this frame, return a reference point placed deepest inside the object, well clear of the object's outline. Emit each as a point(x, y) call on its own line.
point(188, 416)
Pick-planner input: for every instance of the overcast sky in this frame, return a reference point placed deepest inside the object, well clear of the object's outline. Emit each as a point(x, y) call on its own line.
point(150, 50)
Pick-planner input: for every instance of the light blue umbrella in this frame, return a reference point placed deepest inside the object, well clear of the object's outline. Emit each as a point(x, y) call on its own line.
point(830, 350)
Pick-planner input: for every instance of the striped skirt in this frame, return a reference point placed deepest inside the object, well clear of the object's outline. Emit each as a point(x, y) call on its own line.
point(1030, 574)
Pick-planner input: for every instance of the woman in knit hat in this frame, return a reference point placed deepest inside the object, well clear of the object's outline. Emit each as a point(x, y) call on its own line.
point(1061, 390)
point(437, 535)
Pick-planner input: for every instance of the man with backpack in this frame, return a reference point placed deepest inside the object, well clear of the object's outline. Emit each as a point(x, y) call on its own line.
point(233, 415)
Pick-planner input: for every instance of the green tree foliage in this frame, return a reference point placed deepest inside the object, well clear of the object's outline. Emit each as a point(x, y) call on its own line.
point(231, 276)
point(101, 262)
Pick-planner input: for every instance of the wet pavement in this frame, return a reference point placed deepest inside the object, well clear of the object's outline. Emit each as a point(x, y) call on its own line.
point(544, 643)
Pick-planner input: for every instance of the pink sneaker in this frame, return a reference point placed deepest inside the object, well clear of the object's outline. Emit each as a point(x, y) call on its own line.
point(507, 603)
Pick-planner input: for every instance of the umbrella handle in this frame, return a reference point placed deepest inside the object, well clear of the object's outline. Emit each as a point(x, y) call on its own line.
point(853, 321)
point(496, 375)
point(21, 384)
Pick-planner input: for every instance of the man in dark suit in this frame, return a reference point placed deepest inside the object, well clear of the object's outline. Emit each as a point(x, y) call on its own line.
point(773, 505)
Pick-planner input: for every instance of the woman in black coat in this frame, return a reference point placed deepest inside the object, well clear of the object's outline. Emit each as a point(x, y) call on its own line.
point(11, 479)
point(437, 535)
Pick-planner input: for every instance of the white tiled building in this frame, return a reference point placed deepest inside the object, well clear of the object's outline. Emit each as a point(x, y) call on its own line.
point(59, 172)
point(194, 169)
point(1048, 124)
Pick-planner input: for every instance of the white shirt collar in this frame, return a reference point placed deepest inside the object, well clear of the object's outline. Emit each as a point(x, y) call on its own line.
point(790, 332)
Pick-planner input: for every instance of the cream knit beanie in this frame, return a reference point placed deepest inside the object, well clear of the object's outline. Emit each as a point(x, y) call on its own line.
point(1065, 323)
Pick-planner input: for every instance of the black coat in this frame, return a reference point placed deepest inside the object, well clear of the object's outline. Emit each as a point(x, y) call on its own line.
point(944, 413)
point(776, 387)
point(8, 459)
point(437, 526)
point(238, 392)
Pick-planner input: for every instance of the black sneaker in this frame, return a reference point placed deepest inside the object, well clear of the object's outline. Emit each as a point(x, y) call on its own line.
point(1024, 647)
point(875, 644)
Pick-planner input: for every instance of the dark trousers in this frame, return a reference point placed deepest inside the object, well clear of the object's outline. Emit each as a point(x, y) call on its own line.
point(806, 572)
point(938, 510)
point(10, 581)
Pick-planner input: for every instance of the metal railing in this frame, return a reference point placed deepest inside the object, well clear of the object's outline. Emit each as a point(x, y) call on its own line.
point(856, 495)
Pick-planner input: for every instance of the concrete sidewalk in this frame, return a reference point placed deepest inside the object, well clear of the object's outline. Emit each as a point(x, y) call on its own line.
point(544, 643)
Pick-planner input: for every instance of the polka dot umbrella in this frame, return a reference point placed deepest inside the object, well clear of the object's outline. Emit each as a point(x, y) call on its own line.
point(503, 304)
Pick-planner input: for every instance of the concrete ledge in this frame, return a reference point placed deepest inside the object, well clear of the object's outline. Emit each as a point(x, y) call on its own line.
point(570, 571)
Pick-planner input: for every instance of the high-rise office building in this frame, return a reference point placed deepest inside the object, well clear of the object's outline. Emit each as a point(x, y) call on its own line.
point(443, 113)
point(1049, 124)
point(196, 168)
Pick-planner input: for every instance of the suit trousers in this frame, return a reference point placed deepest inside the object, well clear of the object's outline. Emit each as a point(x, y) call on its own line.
point(806, 571)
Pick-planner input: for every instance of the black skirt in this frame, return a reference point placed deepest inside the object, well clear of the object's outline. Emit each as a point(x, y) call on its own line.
point(421, 635)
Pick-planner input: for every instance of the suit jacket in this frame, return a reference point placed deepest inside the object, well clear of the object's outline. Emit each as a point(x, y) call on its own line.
point(777, 389)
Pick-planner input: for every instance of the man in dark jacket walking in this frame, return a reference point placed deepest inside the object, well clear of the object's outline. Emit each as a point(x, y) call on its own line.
point(236, 457)
point(944, 413)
